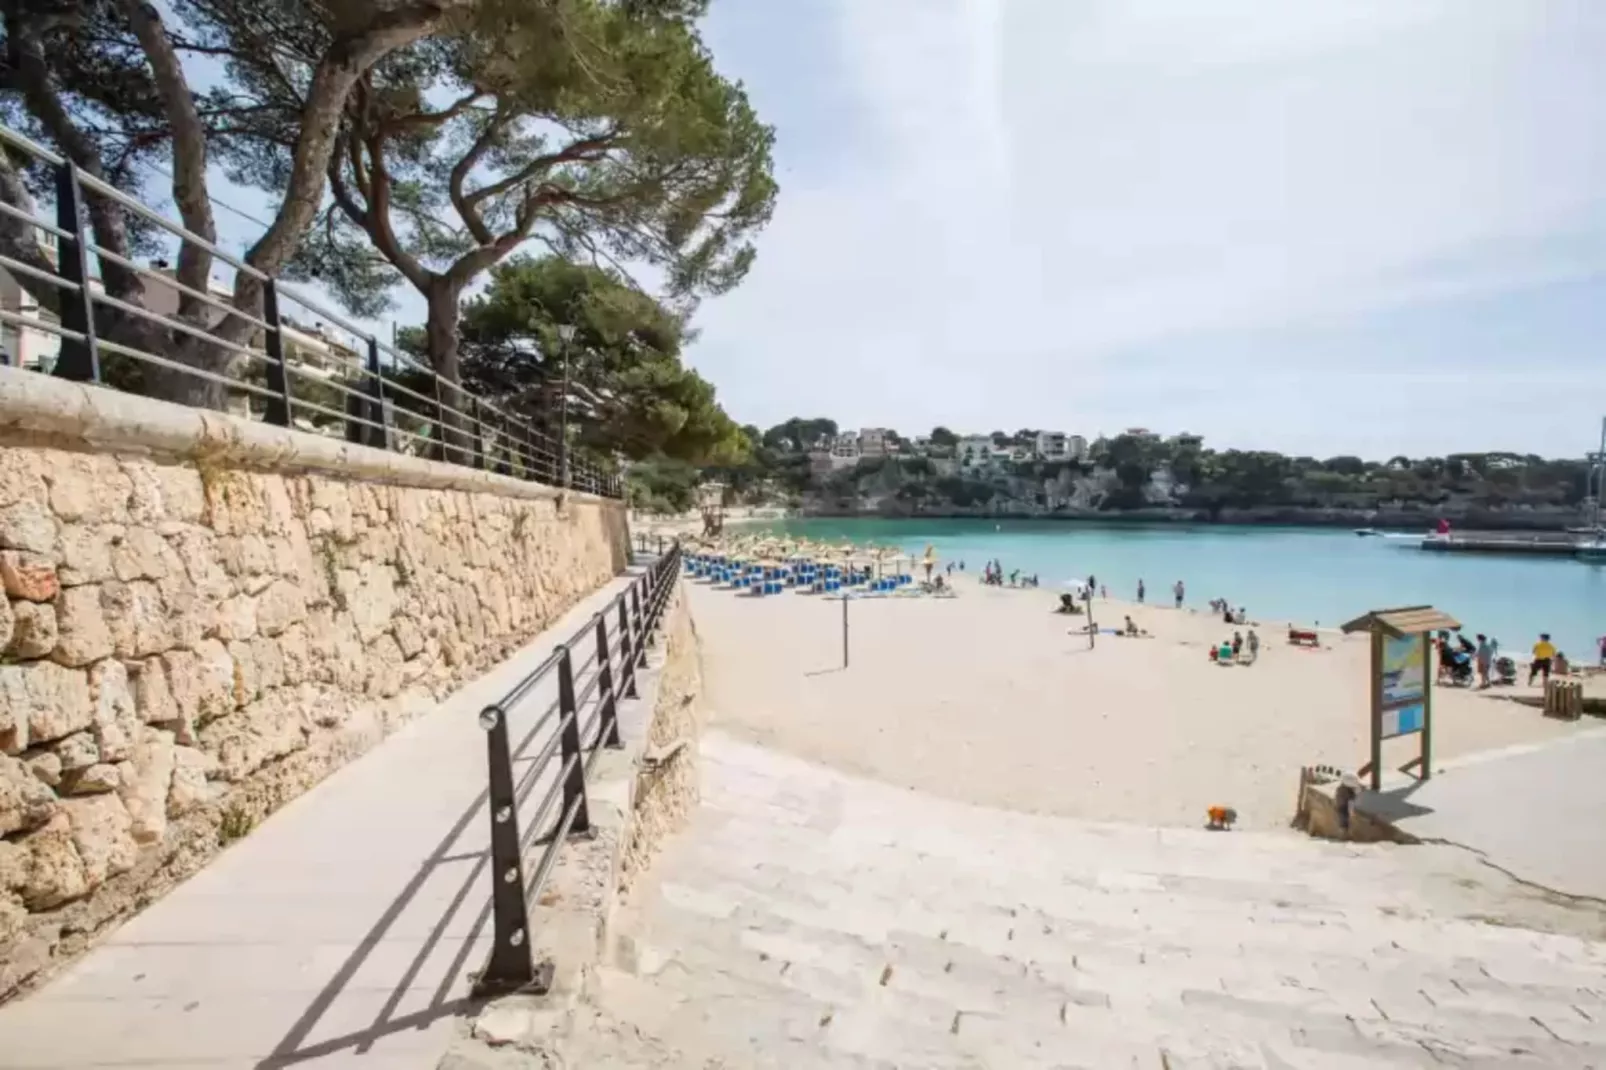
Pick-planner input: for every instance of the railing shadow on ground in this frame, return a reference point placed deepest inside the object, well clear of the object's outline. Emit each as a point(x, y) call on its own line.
point(609, 676)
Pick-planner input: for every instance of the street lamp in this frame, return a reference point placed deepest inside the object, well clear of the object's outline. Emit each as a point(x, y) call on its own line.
point(565, 335)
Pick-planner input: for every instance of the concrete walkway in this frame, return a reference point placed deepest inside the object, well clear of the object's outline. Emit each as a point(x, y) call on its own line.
point(341, 932)
point(1537, 811)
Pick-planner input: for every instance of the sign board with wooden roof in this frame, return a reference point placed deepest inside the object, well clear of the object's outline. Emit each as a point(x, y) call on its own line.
point(1406, 620)
point(1401, 680)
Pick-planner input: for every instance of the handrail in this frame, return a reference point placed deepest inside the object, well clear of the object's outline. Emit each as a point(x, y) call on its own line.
point(389, 399)
point(631, 618)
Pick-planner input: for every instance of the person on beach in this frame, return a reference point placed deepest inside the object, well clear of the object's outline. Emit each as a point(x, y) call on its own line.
point(1544, 654)
point(1092, 584)
point(1237, 643)
point(1483, 655)
point(1601, 643)
point(1254, 645)
point(1140, 602)
point(1178, 591)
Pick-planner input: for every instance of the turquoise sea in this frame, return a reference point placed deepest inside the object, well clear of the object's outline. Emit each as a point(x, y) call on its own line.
point(1307, 575)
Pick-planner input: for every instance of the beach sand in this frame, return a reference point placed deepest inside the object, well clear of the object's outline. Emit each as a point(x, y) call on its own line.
point(986, 698)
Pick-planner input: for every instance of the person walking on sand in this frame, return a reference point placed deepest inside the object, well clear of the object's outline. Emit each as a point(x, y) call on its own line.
point(1140, 602)
point(1483, 655)
point(1178, 590)
point(1544, 655)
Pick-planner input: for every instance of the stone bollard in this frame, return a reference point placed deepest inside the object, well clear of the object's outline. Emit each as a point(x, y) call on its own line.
point(1564, 699)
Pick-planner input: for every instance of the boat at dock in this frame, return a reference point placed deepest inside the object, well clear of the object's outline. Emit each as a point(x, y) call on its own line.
point(1548, 543)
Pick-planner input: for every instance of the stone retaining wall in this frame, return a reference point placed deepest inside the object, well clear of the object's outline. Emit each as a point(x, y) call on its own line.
point(190, 637)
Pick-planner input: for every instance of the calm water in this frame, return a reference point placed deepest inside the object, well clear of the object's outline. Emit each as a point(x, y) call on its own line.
point(1297, 574)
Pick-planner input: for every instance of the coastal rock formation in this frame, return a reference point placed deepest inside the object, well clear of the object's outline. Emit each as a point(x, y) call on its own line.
point(187, 646)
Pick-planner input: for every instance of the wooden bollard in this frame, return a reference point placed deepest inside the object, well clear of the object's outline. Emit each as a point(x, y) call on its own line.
point(1564, 699)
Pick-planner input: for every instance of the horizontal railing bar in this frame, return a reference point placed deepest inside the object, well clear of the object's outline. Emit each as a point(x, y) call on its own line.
point(166, 321)
point(168, 280)
point(89, 181)
point(32, 220)
point(140, 354)
point(30, 146)
point(550, 857)
point(43, 276)
point(286, 292)
point(39, 324)
point(532, 830)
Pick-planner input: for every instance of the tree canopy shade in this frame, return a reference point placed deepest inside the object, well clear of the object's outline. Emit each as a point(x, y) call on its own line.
point(598, 127)
point(104, 83)
point(627, 391)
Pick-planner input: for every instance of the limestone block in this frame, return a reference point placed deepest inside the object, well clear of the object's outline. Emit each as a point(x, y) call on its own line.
point(21, 475)
point(269, 661)
point(208, 691)
point(33, 630)
point(236, 619)
point(7, 622)
point(153, 697)
point(77, 752)
point(142, 554)
point(189, 789)
point(55, 873)
point(408, 637)
point(25, 801)
point(86, 553)
point(117, 722)
point(146, 785)
point(28, 525)
point(41, 701)
point(96, 780)
point(45, 765)
point(137, 617)
point(102, 834)
point(247, 740)
point(13, 866)
point(385, 662)
point(190, 617)
point(88, 487)
point(28, 576)
point(197, 551)
point(83, 635)
point(247, 683)
point(279, 606)
point(247, 554)
point(296, 655)
point(163, 492)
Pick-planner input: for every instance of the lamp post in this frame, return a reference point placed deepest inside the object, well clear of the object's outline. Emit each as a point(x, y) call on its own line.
point(565, 335)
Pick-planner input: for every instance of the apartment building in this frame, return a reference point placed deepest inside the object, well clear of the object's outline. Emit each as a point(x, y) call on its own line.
point(974, 451)
point(874, 441)
point(1075, 448)
point(1050, 445)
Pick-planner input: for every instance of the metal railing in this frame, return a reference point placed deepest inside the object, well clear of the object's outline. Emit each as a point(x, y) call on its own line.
point(284, 374)
point(589, 685)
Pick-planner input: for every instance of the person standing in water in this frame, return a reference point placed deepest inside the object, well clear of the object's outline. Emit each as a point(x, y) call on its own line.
point(1178, 590)
point(1140, 592)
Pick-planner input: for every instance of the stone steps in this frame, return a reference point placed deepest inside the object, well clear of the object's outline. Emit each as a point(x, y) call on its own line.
point(810, 919)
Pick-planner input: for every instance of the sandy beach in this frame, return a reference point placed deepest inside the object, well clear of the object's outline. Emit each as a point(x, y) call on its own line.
point(986, 697)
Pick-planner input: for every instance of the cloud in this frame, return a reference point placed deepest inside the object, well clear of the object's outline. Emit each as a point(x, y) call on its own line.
point(1047, 213)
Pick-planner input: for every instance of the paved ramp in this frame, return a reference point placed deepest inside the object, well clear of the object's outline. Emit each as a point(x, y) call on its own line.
point(1536, 811)
point(810, 919)
point(341, 932)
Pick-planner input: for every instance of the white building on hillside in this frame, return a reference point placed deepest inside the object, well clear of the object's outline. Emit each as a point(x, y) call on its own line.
point(1050, 445)
point(873, 442)
point(845, 450)
point(974, 451)
point(1075, 448)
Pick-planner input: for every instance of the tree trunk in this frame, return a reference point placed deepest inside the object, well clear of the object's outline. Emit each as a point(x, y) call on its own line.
point(440, 332)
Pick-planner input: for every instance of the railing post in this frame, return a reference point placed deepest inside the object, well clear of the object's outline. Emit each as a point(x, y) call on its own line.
point(635, 606)
point(378, 411)
point(627, 660)
point(608, 712)
point(279, 410)
point(574, 784)
point(479, 431)
point(440, 422)
point(79, 360)
point(511, 965)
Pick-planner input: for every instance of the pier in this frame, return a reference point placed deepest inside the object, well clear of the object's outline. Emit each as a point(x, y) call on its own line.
point(1552, 543)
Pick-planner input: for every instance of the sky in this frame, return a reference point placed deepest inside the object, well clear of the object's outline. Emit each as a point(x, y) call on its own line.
point(1323, 227)
point(1332, 226)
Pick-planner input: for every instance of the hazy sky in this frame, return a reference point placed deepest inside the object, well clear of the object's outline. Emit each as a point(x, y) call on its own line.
point(1323, 226)
point(1318, 227)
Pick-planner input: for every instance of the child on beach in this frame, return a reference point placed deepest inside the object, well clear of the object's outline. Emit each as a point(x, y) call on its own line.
point(1178, 591)
point(1544, 653)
